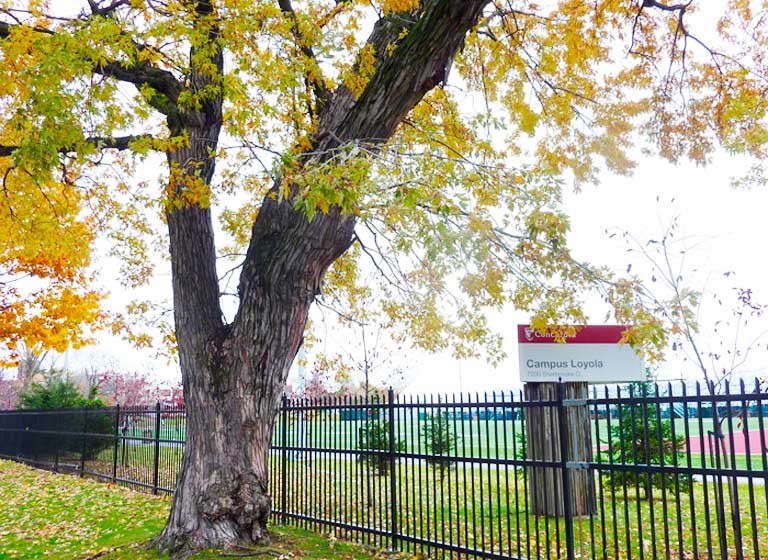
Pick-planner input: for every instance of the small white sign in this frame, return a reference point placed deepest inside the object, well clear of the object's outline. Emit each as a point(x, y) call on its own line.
point(593, 355)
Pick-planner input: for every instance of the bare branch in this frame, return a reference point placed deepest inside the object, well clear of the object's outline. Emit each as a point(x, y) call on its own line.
point(666, 7)
point(106, 10)
point(375, 261)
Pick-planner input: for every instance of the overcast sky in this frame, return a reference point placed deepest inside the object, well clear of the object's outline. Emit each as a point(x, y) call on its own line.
point(723, 228)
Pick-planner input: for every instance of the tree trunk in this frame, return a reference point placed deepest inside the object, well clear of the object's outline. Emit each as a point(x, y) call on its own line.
point(221, 497)
point(233, 380)
point(234, 374)
point(544, 444)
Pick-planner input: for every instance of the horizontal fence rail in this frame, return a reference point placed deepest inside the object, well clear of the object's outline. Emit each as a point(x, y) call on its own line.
point(560, 471)
point(140, 447)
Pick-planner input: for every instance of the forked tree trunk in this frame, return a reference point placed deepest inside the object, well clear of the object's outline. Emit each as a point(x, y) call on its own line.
point(222, 496)
point(233, 380)
point(234, 374)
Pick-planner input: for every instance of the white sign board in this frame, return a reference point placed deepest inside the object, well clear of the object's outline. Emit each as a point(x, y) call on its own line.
point(593, 355)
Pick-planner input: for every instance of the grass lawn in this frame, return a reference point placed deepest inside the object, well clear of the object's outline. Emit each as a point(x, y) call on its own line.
point(44, 515)
point(487, 508)
point(497, 439)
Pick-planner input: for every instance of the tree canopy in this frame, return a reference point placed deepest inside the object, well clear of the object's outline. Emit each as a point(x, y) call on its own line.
point(461, 200)
point(425, 140)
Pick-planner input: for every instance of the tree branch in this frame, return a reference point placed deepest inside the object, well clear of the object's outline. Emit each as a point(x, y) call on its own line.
point(5, 29)
point(137, 73)
point(196, 295)
point(284, 243)
point(141, 73)
point(666, 7)
point(317, 83)
point(106, 10)
point(117, 142)
point(101, 142)
point(407, 67)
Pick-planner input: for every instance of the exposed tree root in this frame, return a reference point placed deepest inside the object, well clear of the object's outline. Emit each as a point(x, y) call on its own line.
point(181, 547)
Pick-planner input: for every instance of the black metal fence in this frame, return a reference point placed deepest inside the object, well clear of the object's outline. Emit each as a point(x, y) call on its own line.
point(138, 446)
point(639, 472)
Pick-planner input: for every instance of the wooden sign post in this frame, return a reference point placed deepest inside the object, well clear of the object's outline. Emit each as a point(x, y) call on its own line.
point(563, 424)
point(544, 439)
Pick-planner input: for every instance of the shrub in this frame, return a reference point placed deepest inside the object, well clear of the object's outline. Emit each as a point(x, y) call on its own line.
point(374, 436)
point(78, 414)
point(54, 394)
point(439, 440)
point(644, 437)
point(521, 445)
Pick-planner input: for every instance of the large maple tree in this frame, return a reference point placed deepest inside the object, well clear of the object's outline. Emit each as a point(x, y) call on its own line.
point(424, 136)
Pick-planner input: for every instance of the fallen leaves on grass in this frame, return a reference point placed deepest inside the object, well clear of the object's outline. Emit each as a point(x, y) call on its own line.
point(45, 515)
point(64, 517)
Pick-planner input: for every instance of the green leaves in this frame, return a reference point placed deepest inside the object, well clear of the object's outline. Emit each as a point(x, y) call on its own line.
point(340, 181)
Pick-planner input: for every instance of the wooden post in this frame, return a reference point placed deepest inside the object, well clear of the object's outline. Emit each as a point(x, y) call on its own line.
point(544, 443)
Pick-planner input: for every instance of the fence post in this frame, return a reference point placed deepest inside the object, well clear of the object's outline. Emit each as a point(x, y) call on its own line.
point(85, 431)
point(284, 461)
point(719, 497)
point(157, 449)
point(58, 444)
point(117, 439)
point(567, 498)
point(392, 469)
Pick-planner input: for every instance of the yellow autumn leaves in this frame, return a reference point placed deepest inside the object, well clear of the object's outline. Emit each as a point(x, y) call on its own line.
point(461, 208)
point(46, 296)
point(64, 516)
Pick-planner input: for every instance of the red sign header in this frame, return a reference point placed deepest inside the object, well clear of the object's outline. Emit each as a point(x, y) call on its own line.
point(590, 334)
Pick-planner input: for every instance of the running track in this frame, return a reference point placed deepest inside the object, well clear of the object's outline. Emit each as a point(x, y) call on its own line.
point(756, 445)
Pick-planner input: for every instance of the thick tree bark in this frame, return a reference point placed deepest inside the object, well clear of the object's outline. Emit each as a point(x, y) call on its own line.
point(235, 374)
